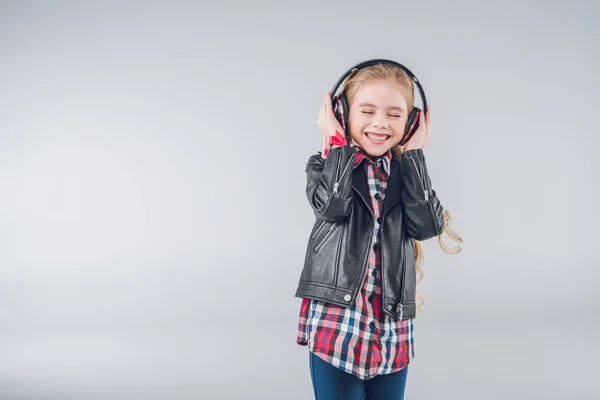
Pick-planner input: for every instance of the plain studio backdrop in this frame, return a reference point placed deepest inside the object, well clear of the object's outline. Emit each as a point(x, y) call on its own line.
point(153, 218)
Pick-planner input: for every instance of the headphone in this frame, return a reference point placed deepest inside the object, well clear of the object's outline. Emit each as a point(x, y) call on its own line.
point(341, 107)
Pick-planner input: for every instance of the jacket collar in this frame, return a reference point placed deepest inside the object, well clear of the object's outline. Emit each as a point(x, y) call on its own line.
point(384, 160)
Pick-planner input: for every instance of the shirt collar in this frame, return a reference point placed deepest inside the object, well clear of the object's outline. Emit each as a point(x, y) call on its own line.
point(384, 160)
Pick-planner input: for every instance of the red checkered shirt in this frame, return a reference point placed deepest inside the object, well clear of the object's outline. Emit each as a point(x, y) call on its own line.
point(361, 339)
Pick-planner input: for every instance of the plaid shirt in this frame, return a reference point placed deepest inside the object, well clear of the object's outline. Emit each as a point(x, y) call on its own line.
point(361, 339)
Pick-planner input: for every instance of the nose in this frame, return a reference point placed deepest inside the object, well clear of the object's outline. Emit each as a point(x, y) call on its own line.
point(380, 121)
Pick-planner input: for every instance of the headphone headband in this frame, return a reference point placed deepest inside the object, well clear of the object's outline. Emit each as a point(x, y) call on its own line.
point(368, 63)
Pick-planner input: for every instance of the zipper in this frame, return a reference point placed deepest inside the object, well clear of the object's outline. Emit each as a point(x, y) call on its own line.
point(382, 274)
point(337, 257)
point(401, 299)
point(426, 193)
point(336, 172)
point(324, 236)
point(399, 306)
point(321, 222)
point(337, 183)
point(399, 310)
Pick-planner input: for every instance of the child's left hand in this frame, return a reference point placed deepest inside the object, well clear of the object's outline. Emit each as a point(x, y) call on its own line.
point(421, 137)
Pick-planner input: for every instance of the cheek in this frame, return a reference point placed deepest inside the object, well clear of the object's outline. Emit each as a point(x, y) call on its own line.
point(357, 119)
point(400, 125)
point(357, 122)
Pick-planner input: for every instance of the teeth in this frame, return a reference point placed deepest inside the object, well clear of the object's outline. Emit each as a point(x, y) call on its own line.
point(376, 137)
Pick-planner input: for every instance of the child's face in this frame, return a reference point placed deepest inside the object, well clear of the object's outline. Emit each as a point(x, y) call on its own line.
point(379, 107)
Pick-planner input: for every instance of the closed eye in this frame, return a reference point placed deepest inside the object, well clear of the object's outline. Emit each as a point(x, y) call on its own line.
point(391, 115)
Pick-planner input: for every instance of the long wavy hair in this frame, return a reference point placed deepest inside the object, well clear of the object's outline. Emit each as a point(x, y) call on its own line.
point(395, 74)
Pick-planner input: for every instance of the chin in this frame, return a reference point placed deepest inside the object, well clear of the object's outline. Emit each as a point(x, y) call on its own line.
point(377, 151)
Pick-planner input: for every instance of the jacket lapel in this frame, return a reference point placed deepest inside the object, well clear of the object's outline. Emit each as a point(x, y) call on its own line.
point(392, 192)
point(394, 186)
point(360, 184)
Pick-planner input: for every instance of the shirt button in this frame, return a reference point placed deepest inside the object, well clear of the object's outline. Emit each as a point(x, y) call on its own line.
point(347, 297)
point(375, 273)
point(379, 220)
point(372, 325)
point(376, 246)
point(377, 196)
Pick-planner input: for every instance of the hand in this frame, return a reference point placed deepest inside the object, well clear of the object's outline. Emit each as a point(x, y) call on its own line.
point(421, 137)
point(327, 122)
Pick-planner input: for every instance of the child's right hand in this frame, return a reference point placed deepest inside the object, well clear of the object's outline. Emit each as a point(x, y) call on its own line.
point(327, 122)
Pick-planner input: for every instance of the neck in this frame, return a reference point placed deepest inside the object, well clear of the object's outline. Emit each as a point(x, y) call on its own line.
point(372, 157)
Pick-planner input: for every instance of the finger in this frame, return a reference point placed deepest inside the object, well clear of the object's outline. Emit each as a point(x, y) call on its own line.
point(328, 102)
point(321, 112)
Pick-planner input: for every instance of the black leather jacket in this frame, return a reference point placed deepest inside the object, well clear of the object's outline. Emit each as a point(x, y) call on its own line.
point(338, 247)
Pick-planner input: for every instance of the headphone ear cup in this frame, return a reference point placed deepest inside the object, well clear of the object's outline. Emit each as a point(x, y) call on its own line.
point(340, 110)
point(337, 110)
point(345, 111)
point(412, 124)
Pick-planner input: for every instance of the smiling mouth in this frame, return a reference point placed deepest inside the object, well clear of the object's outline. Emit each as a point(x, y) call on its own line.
point(377, 137)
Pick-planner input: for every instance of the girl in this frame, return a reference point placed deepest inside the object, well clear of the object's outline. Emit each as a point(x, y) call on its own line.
point(373, 203)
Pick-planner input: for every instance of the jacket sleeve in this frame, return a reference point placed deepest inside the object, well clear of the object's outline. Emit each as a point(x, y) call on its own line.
point(422, 211)
point(329, 183)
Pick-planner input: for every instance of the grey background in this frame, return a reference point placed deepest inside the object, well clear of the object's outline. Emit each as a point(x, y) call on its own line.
point(152, 211)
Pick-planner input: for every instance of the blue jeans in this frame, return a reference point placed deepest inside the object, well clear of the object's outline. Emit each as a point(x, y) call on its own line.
point(331, 383)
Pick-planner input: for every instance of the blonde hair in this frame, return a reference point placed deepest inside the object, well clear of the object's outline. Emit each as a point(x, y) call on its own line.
point(393, 73)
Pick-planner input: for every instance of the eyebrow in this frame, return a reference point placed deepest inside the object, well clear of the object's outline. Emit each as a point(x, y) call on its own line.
point(373, 105)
